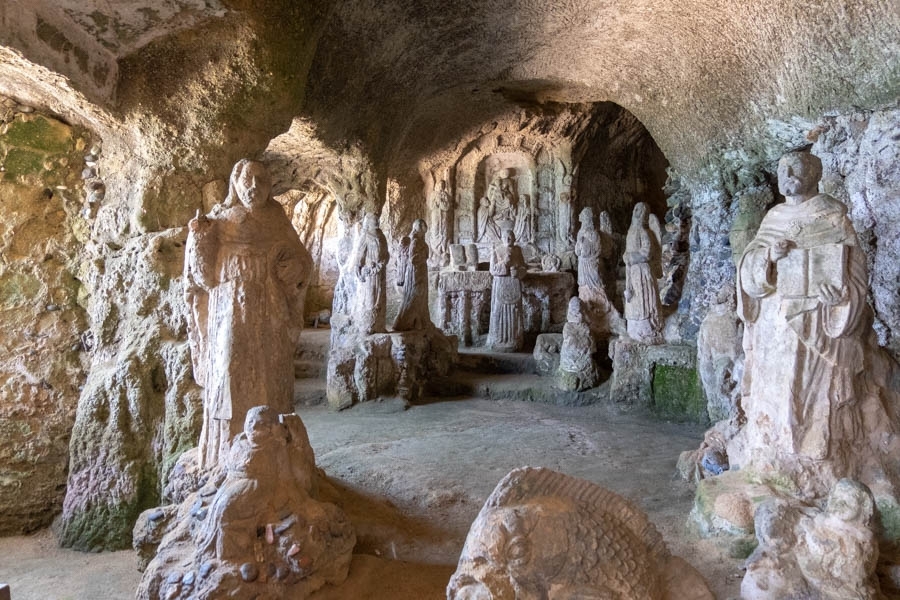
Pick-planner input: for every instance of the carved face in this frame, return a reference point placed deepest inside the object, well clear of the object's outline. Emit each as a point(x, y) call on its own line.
point(639, 216)
point(509, 238)
point(253, 184)
point(798, 174)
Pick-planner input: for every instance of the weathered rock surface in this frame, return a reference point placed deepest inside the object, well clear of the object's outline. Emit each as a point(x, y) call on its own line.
point(140, 407)
point(42, 317)
point(544, 534)
point(255, 528)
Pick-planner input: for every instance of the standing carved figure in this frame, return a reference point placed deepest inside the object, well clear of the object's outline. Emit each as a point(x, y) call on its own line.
point(245, 281)
point(588, 249)
point(443, 223)
point(507, 327)
point(413, 280)
point(370, 262)
point(564, 210)
point(577, 368)
point(802, 295)
point(642, 258)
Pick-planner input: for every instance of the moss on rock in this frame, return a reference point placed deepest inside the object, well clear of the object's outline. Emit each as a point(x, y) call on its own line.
point(677, 394)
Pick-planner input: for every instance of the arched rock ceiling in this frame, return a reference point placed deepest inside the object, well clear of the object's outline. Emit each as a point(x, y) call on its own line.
point(408, 78)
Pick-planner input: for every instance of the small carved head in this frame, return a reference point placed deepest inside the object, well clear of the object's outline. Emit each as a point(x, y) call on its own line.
point(639, 215)
point(851, 501)
point(259, 422)
point(250, 183)
point(799, 174)
point(586, 216)
point(508, 237)
point(370, 222)
point(419, 227)
point(575, 311)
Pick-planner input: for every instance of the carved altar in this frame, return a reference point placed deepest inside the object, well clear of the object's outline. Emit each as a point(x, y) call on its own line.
point(464, 303)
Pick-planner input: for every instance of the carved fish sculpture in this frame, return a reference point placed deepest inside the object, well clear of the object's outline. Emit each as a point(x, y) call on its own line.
point(542, 535)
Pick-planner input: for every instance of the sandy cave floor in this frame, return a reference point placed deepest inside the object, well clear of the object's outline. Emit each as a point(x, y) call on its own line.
point(414, 480)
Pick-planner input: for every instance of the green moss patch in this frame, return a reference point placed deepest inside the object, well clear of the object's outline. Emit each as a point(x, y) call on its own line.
point(41, 134)
point(20, 161)
point(17, 289)
point(676, 393)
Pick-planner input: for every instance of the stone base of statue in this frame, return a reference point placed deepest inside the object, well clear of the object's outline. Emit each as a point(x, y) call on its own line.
point(546, 353)
point(661, 378)
point(386, 365)
point(253, 530)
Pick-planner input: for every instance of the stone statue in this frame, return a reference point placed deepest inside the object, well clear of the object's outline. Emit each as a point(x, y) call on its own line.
point(487, 229)
point(564, 212)
point(259, 531)
point(577, 368)
point(524, 228)
point(829, 554)
point(642, 258)
point(603, 317)
point(413, 281)
point(719, 356)
point(245, 281)
point(507, 327)
point(588, 249)
point(370, 263)
point(802, 296)
point(443, 223)
point(542, 534)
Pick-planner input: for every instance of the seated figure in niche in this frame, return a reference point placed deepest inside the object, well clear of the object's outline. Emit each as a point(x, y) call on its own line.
point(642, 262)
point(245, 282)
point(503, 209)
point(413, 281)
point(507, 325)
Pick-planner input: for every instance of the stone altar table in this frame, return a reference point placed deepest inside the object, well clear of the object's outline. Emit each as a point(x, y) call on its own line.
point(464, 303)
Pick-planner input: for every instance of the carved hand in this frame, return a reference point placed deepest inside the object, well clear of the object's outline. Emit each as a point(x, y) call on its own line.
point(780, 249)
point(199, 222)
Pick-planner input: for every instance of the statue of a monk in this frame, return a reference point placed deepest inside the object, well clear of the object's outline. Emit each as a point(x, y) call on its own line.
point(245, 281)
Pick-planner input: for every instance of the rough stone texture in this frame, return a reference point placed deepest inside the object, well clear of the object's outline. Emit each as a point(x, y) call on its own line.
point(42, 319)
point(385, 365)
point(662, 378)
point(720, 357)
point(829, 553)
point(546, 353)
point(544, 534)
point(254, 529)
point(140, 407)
point(178, 90)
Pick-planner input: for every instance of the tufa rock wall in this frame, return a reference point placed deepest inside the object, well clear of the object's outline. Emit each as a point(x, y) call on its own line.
point(42, 362)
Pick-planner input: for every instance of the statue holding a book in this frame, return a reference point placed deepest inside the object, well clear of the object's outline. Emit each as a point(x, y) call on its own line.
point(802, 295)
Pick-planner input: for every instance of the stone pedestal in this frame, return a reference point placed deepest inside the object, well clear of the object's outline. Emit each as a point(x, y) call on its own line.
point(662, 378)
point(464, 303)
point(546, 353)
point(387, 365)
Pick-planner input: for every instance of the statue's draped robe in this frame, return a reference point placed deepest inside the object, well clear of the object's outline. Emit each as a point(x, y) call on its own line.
point(640, 278)
point(371, 300)
point(413, 312)
point(507, 326)
point(246, 281)
point(802, 355)
point(588, 248)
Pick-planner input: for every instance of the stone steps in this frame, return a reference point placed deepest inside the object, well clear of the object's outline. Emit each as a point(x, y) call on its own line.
point(520, 387)
point(309, 392)
point(484, 361)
